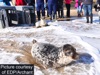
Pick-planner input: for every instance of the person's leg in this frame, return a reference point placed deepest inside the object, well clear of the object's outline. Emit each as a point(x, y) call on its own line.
point(59, 16)
point(77, 11)
point(43, 10)
point(58, 9)
point(47, 10)
point(86, 13)
point(82, 10)
point(38, 11)
point(50, 10)
point(54, 11)
point(68, 10)
point(90, 13)
point(62, 13)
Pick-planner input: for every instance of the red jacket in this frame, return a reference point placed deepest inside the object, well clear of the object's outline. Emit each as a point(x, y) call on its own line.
point(68, 1)
point(20, 2)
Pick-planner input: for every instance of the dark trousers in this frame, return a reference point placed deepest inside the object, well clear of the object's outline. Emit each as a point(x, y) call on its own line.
point(52, 8)
point(68, 10)
point(40, 7)
point(60, 10)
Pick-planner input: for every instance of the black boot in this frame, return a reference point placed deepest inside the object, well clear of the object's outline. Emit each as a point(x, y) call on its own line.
point(87, 18)
point(91, 18)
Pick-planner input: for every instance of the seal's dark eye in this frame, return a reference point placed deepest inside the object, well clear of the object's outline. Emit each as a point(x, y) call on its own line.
point(68, 53)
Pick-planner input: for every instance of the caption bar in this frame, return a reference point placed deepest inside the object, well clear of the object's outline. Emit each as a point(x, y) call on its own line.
point(16, 69)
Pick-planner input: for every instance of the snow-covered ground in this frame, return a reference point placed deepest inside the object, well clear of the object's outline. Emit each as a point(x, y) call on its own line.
point(84, 37)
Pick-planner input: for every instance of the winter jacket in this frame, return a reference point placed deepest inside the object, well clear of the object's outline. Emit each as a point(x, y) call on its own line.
point(20, 2)
point(68, 1)
point(30, 2)
point(87, 2)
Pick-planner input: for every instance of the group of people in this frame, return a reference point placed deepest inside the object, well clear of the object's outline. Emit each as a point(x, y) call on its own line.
point(54, 6)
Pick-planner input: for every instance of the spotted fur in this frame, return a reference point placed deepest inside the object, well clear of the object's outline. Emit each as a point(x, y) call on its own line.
point(49, 55)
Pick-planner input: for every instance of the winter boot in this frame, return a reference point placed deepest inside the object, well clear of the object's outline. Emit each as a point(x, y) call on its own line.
point(87, 18)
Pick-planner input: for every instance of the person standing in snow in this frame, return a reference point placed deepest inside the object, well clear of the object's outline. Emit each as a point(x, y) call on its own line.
point(47, 8)
point(40, 7)
point(60, 8)
point(52, 8)
point(68, 6)
point(78, 6)
point(87, 7)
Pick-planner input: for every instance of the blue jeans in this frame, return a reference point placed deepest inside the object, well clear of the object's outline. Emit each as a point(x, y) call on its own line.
point(52, 8)
point(87, 9)
point(40, 6)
